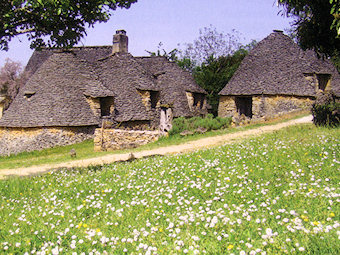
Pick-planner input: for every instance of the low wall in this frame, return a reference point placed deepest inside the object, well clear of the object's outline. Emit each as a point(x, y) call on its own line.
point(114, 139)
point(16, 140)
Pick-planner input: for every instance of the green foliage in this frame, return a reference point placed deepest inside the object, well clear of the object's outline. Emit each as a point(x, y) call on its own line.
point(215, 73)
point(317, 24)
point(172, 55)
point(326, 111)
point(181, 124)
point(53, 23)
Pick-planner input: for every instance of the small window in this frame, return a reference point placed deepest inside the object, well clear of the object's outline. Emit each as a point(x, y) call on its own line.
point(154, 98)
point(323, 81)
point(198, 100)
point(106, 104)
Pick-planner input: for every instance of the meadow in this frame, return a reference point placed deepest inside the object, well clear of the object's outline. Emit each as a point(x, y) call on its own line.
point(274, 194)
point(85, 149)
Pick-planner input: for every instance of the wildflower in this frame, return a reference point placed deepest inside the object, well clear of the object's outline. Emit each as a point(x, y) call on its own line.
point(230, 246)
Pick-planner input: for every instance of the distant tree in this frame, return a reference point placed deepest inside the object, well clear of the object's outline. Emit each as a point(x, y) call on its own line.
point(172, 55)
point(211, 43)
point(11, 78)
point(214, 74)
point(212, 59)
point(316, 25)
point(53, 23)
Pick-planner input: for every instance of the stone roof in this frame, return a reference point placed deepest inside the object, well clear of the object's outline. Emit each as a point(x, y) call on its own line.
point(55, 95)
point(276, 66)
point(122, 74)
point(88, 53)
point(60, 80)
point(173, 81)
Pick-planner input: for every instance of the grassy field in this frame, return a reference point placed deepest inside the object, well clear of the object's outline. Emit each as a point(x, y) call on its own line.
point(276, 194)
point(85, 149)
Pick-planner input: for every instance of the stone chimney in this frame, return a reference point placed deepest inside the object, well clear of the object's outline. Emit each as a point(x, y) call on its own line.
point(120, 42)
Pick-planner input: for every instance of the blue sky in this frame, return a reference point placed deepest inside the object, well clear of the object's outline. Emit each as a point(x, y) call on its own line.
point(173, 22)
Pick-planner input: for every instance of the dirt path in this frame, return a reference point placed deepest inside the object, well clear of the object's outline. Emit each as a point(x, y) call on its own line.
point(186, 147)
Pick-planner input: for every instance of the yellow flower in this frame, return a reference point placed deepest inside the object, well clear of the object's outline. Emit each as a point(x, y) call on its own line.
point(332, 214)
point(315, 223)
point(160, 230)
point(230, 246)
point(85, 225)
point(97, 230)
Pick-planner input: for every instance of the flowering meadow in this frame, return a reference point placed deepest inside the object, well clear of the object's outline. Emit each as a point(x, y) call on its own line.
point(275, 194)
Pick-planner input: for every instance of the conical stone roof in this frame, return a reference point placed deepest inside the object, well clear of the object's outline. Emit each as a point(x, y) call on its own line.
point(278, 66)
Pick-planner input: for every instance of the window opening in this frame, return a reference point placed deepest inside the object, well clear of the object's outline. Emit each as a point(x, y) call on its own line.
point(154, 98)
point(105, 106)
point(323, 81)
point(198, 100)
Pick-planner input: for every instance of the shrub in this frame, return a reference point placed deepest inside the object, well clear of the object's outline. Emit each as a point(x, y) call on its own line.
point(326, 111)
point(191, 124)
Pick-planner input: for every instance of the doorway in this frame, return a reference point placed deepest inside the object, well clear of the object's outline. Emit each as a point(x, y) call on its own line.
point(244, 106)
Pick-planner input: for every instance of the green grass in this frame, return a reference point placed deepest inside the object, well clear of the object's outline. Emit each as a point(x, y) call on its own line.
point(85, 149)
point(275, 194)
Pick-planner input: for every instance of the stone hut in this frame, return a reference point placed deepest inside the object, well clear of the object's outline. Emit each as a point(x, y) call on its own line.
point(277, 77)
point(72, 92)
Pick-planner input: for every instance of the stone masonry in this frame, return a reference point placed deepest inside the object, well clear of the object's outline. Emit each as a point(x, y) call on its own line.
point(16, 140)
point(114, 139)
point(269, 106)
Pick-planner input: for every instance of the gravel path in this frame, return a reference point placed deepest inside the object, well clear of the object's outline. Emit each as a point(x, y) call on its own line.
point(181, 148)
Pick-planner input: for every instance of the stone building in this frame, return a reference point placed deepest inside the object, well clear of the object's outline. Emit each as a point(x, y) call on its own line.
point(72, 92)
point(277, 77)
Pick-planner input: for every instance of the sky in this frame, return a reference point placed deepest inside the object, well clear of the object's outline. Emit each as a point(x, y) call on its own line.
point(173, 22)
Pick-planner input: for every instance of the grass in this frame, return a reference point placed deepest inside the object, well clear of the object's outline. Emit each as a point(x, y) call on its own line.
point(85, 149)
point(275, 194)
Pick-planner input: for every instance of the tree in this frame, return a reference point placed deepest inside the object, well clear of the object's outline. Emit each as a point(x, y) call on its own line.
point(211, 43)
point(317, 24)
point(212, 59)
point(12, 78)
point(53, 23)
point(215, 73)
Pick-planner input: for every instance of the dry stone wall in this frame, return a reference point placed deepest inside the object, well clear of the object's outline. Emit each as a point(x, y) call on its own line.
point(16, 140)
point(114, 139)
point(266, 106)
point(227, 106)
point(271, 106)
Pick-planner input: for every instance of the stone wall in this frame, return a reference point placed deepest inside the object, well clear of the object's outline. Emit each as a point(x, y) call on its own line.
point(16, 140)
point(271, 106)
point(265, 106)
point(114, 139)
point(227, 106)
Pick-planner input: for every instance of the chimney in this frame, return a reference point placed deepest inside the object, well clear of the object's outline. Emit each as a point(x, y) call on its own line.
point(278, 31)
point(120, 42)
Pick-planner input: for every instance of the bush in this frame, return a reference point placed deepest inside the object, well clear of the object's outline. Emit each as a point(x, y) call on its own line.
point(191, 124)
point(326, 111)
